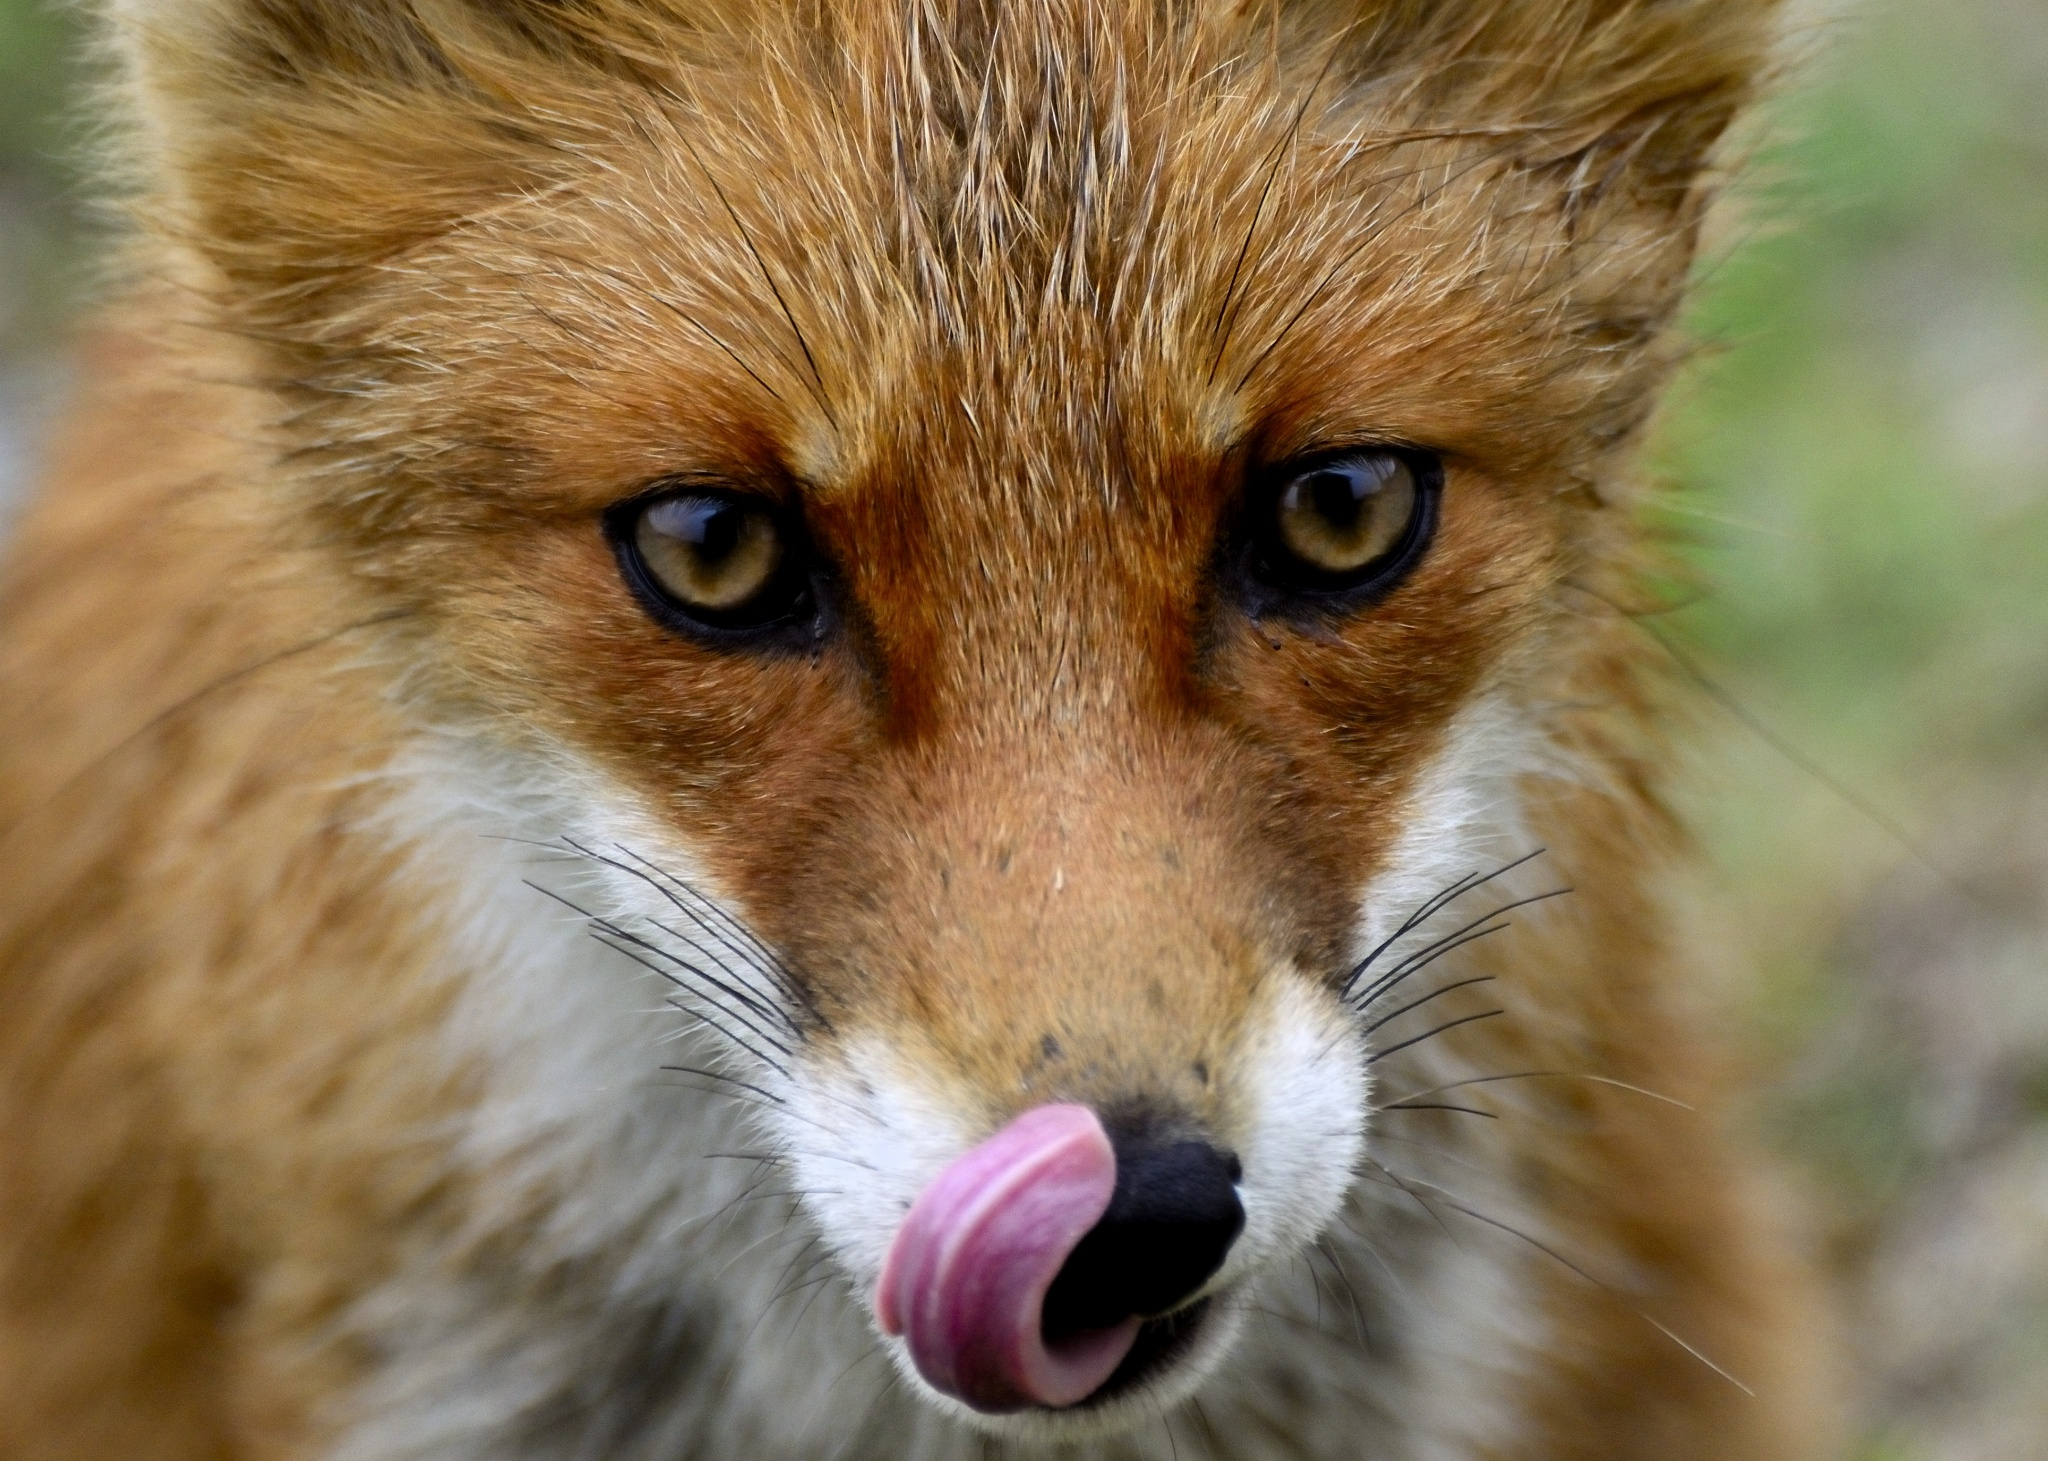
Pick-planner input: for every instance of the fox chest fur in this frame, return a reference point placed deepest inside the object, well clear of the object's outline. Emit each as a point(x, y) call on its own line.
point(846, 730)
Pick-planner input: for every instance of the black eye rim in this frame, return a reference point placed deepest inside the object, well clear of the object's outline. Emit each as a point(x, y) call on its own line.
point(786, 613)
point(1274, 578)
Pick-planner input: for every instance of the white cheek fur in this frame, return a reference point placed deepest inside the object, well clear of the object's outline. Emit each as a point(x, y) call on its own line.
point(576, 1130)
point(1306, 1128)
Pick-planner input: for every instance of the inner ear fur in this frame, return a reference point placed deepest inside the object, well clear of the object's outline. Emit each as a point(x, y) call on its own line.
point(1612, 91)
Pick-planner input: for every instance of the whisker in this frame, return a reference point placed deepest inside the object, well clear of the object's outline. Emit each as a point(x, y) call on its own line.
point(1359, 1327)
point(1410, 964)
point(1572, 1075)
point(1217, 332)
point(1472, 933)
point(788, 1155)
point(734, 935)
point(736, 990)
point(1416, 1004)
point(699, 1014)
point(1394, 1179)
point(605, 932)
point(627, 946)
point(1378, 1055)
point(1393, 1279)
point(1452, 1202)
point(733, 932)
point(765, 1095)
point(1315, 295)
point(1428, 910)
point(817, 382)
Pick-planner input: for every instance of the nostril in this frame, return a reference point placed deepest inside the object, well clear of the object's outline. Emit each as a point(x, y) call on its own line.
point(1170, 1223)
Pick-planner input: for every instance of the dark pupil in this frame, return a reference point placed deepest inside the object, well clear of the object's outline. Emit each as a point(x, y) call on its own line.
point(1339, 496)
point(712, 528)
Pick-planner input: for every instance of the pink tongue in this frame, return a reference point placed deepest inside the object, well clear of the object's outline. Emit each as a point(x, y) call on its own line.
point(965, 1280)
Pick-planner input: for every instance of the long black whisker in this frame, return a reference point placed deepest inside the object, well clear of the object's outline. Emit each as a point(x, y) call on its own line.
point(1315, 295)
point(1394, 1281)
point(1429, 909)
point(808, 1246)
point(605, 934)
point(573, 272)
point(1436, 1150)
point(780, 1157)
point(1407, 966)
point(628, 950)
point(733, 931)
point(1217, 333)
point(1360, 1328)
point(1394, 1178)
point(817, 390)
point(671, 887)
point(1416, 1004)
point(605, 931)
point(713, 1075)
point(738, 938)
point(1378, 1055)
point(738, 989)
point(1436, 951)
point(1408, 925)
point(699, 1014)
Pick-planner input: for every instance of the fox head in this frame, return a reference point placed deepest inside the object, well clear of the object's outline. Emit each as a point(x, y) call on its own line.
point(1034, 541)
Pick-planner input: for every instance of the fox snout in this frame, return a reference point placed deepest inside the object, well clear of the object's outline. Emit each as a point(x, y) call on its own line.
point(1074, 1087)
point(1080, 1254)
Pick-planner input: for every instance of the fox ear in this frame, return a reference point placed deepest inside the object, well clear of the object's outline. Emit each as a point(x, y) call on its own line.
point(298, 142)
point(1618, 94)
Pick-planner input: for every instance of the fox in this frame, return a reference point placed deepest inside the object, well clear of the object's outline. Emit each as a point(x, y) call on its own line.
point(903, 729)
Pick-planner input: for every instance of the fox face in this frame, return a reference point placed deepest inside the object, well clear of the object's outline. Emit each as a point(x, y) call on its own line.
point(1027, 558)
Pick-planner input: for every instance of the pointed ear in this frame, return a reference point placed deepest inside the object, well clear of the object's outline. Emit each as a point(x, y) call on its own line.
point(296, 143)
point(1628, 95)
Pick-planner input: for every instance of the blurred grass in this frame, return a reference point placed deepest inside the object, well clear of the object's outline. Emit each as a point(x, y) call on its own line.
point(40, 213)
point(1859, 470)
point(1857, 466)
point(1865, 461)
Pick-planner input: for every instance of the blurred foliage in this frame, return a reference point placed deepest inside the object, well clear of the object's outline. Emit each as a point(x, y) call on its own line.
point(36, 63)
point(1863, 466)
point(40, 214)
point(1859, 471)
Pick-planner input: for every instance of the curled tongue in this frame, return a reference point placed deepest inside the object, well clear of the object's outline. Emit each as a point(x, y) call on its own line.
point(965, 1280)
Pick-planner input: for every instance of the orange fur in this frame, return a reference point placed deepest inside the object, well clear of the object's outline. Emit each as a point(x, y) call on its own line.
point(1008, 298)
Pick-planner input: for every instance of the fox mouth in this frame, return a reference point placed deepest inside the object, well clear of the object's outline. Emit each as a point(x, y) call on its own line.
point(1161, 1344)
point(1050, 1269)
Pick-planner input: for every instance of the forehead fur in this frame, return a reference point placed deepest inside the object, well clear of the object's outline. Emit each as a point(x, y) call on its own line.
point(820, 219)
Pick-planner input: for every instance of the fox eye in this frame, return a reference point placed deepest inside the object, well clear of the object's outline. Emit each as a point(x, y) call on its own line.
point(1346, 523)
point(718, 560)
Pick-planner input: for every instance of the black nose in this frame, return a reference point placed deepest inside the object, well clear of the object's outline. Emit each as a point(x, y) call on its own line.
point(1171, 1220)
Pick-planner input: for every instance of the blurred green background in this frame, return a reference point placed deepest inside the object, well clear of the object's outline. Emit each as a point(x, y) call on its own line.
point(1855, 472)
